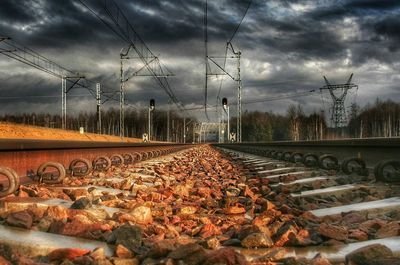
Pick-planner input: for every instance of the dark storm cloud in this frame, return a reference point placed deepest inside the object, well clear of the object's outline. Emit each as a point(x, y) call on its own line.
point(16, 11)
point(373, 4)
point(51, 24)
point(280, 40)
point(389, 28)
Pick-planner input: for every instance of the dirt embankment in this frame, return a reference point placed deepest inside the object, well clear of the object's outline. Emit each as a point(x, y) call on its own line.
point(18, 131)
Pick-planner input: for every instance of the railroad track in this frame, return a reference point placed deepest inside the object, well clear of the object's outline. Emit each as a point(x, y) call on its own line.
point(24, 161)
point(356, 184)
point(379, 156)
point(269, 204)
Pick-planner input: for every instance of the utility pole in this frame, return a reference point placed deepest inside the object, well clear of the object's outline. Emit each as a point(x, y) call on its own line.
point(64, 103)
point(98, 99)
point(122, 94)
point(64, 92)
point(238, 79)
point(32, 58)
point(206, 57)
point(239, 102)
point(168, 121)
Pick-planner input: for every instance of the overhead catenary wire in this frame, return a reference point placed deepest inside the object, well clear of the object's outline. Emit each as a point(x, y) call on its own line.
point(113, 19)
point(241, 21)
point(32, 58)
point(223, 66)
point(228, 47)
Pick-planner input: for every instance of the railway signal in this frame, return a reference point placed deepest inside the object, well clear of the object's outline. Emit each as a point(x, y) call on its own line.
point(226, 108)
point(225, 102)
point(152, 106)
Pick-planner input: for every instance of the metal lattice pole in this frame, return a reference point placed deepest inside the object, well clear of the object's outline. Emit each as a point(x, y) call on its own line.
point(239, 103)
point(229, 125)
point(64, 103)
point(149, 121)
point(168, 121)
point(122, 101)
point(98, 99)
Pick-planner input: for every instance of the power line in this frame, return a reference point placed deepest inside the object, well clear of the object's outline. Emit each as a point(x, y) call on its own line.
point(280, 97)
point(118, 23)
point(294, 95)
point(32, 58)
point(224, 65)
point(35, 96)
point(238, 26)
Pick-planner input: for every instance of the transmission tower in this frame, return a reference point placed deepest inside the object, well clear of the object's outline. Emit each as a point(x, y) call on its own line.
point(338, 94)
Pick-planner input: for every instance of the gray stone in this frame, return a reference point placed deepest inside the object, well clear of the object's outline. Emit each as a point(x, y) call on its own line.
point(81, 203)
point(127, 235)
point(257, 240)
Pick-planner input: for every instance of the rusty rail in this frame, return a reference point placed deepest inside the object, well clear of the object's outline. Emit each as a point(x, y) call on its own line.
point(29, 160)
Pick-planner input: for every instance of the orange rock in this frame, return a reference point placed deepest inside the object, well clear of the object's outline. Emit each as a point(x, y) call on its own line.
point(388, 230)
point(36, 212)
point(57, 212)
point(358, 235)
point(20, 219)
point(181, 190)
point(142, 215)
point(22, 194)
point(309, 216)
point(76, 194)
point(209, 230)
point(235, 210)
point(67, 253)
point(375, 224)
point(226, 256)
point(262, 220)
point(333, 231)
point(124, 217)
point(250, 193)
point(204, 192)
point(123, 252)
point(285, 233)
point(188, 210)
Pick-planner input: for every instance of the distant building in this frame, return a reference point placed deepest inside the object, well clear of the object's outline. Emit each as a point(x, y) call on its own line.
point(210, 132)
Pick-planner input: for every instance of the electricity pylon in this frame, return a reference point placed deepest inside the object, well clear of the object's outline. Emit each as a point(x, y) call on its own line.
point(338, 94)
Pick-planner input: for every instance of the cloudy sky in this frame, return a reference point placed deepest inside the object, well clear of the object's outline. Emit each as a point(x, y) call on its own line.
point(287, 46)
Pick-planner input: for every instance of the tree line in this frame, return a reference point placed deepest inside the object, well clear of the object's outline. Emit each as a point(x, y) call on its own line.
point(136, 123)
point(294, 125)
point(381, 119)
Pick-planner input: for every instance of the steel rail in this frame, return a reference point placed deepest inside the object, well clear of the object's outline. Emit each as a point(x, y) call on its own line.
point(26, 156)
point(371, 150)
